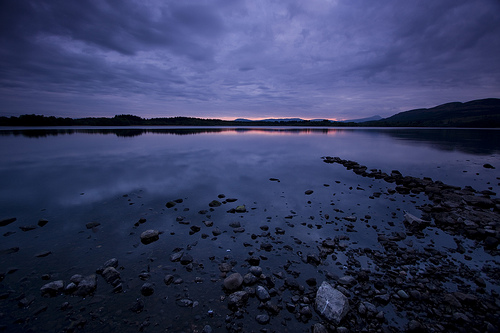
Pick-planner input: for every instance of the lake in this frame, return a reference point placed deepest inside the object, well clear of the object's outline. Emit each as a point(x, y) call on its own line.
point(114, 177)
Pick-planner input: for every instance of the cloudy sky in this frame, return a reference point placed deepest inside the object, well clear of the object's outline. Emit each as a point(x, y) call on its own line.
point(333, 59)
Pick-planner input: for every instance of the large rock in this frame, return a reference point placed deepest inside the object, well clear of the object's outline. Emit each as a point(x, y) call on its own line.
point(237, 300)
point(86, 286)
point(52, 288)
point(150, 236)
point(233, 281)
point(110, 274)
point(331, 303)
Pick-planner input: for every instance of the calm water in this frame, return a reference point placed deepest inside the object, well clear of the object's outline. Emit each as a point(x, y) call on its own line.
point(116, 176)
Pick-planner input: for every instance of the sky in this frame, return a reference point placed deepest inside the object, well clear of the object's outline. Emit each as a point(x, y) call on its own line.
point(227, 59)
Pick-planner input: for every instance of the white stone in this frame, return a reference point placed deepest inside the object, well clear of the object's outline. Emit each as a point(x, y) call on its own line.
point(331, 303)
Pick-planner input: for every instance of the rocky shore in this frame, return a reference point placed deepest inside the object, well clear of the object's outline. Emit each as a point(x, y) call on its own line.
point(275, 280)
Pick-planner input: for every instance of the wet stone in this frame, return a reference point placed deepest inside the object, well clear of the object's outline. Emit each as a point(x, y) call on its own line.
point(262, 319)
point(147, 289)
point(262, 293)
point(233, 281)
point(52, 288)
point(92, 225)
point(168, 279)
point(150, 236)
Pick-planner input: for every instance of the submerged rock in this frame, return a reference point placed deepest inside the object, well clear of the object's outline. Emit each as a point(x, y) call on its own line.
point(8, 221)
point(92, 225)
point(331, 303)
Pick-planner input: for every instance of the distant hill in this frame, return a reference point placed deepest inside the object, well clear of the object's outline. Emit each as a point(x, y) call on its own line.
point(270, 120)
point(363, 120)
point(481, 113)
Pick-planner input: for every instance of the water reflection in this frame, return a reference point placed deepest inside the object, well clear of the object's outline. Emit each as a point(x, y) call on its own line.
point(472, 141)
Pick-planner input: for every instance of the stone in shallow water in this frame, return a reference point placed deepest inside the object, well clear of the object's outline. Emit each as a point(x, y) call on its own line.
point(233, 281)
point(86, 286)
point(147, 289)
point(150, 236)
point(52, 288)
point(262, 319)
point(331, 303)
point(262, 293)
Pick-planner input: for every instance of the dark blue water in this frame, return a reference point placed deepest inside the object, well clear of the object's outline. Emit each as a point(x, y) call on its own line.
point(117, 176)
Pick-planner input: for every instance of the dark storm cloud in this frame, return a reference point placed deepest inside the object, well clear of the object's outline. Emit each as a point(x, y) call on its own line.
point(245, 58)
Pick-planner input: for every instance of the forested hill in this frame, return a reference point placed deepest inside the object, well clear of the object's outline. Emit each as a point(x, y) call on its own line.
point(482, 113)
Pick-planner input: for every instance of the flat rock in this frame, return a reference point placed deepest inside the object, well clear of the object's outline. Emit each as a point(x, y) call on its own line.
point(331, 303)
point(8, 221)
point(52, 288)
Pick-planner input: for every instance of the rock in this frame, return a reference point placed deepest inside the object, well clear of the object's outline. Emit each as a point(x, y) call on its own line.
point(92, 225)
point(256, 270)
point(237, 300)
point(262, 293)
point(168, 279)
point(26, 301)
point(488, 166)
point(113, 262)
point(347, 280)
point(249, 279)
point(225, 267)
point(52, 288)
point(170, 204)
point(262, 319)
point(8, 221)
point(150, 236)
point(331, 303)
point(147, 289)
point(240, 209)
point(27, 227)
point(10, 250)
point(233, 281)
point(42, 222)
point(308, 192)
point(110, 274)
point(351, 218)
point(216, 232)
point(235, 224)
point(266, 247)
point(415, 223)
point(403, 294)
point(43, 254)
point(138, 306)
point(215, 203)
point(186, 259)
point(176, 256)
point(319, 328)
point(207, 329)
point(415, 327)
point(86, 286)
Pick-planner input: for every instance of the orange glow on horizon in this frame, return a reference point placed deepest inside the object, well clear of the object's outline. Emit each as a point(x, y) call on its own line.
point(271, 117)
